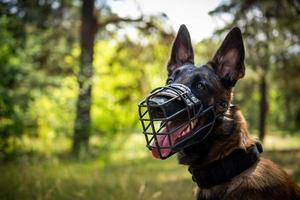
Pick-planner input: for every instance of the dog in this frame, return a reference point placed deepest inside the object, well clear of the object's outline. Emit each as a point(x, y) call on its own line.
point(224, 159)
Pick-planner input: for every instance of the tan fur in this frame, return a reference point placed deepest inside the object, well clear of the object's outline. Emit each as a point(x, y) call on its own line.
point(264, 180)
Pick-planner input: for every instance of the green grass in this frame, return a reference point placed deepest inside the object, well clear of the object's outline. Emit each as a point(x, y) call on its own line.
point(127, 171)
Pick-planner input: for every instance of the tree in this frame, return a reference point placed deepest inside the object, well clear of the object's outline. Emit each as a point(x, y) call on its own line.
point(87, 38)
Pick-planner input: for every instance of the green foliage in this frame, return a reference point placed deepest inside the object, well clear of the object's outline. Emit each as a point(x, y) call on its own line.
point(40, 57)
point(33, 66)
point(124, 73)
point(13, 97)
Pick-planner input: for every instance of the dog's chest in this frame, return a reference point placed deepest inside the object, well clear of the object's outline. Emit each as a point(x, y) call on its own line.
point(214, 193)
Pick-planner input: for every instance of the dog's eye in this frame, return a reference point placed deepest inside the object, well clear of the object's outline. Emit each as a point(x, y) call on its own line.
point(170, 80)
point(201, 86)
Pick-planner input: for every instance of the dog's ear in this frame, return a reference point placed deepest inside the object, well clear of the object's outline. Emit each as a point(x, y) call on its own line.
point(229, 59)
point(182, 50)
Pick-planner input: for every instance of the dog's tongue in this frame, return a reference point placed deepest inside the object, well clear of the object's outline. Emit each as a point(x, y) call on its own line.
point(163, 140)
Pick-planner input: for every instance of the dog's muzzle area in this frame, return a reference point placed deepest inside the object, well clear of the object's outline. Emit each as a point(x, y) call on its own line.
point(173, 118)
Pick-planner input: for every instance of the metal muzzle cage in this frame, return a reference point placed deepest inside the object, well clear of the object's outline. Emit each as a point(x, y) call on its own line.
point(167, 113)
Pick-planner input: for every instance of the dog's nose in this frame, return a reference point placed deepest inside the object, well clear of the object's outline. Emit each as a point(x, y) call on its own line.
point(158, 106)
point(164, 107)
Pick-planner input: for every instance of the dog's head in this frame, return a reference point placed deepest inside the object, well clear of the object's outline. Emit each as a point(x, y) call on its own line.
point(208, 87)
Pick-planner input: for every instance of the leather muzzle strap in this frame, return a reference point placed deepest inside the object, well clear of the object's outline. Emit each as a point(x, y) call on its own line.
point(225, 169)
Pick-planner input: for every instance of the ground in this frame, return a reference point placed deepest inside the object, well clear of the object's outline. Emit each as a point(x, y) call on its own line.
point(126, 172)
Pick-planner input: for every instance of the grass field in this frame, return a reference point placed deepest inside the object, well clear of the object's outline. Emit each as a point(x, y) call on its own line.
point(127, 171)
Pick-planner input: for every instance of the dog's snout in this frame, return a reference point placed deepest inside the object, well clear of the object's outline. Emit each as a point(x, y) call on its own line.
point(155, 107)
point(158, 107)
point(163, 106)
point(158, 100)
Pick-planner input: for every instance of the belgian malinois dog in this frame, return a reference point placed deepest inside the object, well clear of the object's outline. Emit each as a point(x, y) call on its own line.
point(192, 116)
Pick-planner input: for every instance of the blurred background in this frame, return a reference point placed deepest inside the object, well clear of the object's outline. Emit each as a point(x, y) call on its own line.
point(72, 73)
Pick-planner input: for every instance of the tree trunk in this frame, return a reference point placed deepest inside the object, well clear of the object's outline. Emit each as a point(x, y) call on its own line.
point(84, 78)
point(263, 107)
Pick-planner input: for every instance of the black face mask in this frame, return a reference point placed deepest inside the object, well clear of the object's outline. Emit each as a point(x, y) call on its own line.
point(173, 118)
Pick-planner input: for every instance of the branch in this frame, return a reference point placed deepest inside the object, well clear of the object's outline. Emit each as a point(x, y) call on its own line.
point(151, 25)
point(116, 20)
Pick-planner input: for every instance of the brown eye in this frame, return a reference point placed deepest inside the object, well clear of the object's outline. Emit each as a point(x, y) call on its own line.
point(200, 85)
point(169, 80)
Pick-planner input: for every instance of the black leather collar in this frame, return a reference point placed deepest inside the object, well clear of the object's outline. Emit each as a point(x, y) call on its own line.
point(225, 169)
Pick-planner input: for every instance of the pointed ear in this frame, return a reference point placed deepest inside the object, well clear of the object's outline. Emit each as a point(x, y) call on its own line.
point(182, 50)
point(229, 59)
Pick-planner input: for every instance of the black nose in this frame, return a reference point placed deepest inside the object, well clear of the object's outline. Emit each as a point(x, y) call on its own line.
point(164, 107)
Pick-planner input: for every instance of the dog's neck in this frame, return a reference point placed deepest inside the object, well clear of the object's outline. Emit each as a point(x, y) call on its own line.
point(230, 136)
point(230, 133)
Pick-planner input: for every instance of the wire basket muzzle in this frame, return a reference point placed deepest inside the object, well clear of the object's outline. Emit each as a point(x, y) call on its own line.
point(165, 112)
